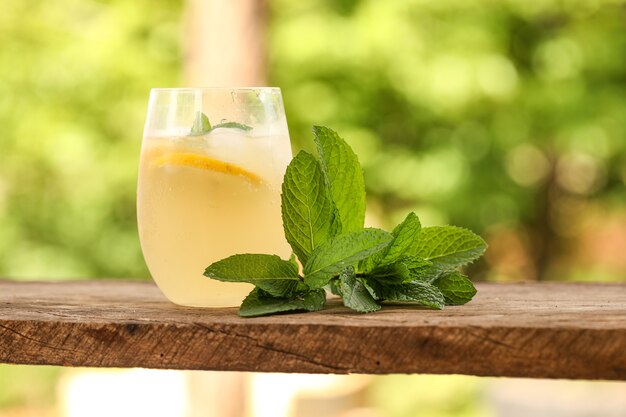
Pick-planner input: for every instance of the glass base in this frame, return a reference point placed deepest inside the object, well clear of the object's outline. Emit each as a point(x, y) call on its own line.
point(206, 293)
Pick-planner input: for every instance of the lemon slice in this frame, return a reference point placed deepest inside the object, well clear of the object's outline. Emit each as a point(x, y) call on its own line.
point(193, 160)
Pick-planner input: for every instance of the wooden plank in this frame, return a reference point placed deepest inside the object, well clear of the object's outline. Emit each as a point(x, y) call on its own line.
point(546, 330)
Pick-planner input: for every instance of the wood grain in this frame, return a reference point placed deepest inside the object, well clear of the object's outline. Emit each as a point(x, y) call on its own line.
point(547, 330)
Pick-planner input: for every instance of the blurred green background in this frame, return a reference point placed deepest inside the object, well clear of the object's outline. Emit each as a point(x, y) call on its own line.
point(74, 81)
point(508, 118)
point(505, 116)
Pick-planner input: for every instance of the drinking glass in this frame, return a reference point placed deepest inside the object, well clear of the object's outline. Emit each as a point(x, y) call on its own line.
point(211, 168)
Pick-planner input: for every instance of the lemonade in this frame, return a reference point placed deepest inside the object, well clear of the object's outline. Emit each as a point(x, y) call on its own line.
point(203, 198)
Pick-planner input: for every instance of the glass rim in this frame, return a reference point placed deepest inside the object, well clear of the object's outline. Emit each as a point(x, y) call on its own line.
point(203, 89)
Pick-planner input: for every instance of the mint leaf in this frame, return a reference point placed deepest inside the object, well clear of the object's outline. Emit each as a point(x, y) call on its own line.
point(456, 288)
point(449, 246)
point(333, 287)
point(201, 125)
point(294, 261)
point(406, 239)
point(418, 267)
point(405, 242)
point(259, 303)
point(307, 209)
point(408, 269)
point(369, 286)
point(396, 273)
point(354, 293)
point(231, 125)
point(268, 272)
point(343, 173)
point(415, 291)
point(342, 251)
point(434, 272)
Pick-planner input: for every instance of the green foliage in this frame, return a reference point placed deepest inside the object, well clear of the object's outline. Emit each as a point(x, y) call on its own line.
point(74, 81)
point(507, 114)
point(430, 396)
point(34, 386)
point(464, 114)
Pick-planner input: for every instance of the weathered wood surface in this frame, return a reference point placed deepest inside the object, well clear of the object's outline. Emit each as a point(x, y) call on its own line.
point(549, 330)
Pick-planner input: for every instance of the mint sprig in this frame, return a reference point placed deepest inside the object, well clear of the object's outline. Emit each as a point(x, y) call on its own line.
point(323, 211)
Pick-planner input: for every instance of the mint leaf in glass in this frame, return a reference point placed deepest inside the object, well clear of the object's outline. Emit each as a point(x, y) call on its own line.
point(232, 125)
point(307, 208)
point(343, 173)
point(201, 125)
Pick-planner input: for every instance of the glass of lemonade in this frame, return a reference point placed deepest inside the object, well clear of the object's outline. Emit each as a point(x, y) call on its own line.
point(210, 173)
